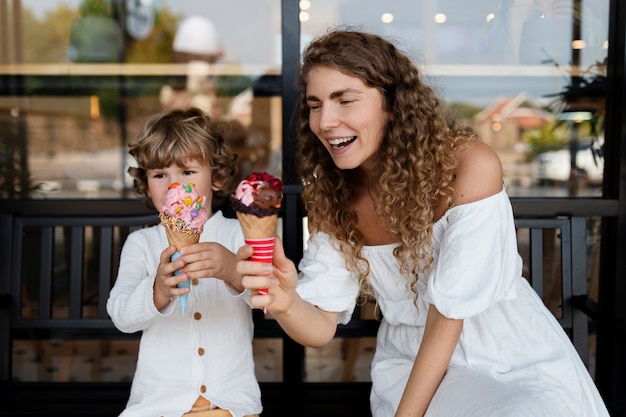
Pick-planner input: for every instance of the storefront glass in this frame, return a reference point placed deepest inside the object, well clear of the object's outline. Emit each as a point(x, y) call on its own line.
point(78, 77)
point(529, 75)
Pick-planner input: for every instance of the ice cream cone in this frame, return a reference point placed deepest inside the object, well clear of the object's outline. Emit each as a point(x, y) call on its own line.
point(259, 233)
point(257, 201)
point(180, 240)
point(255, 227)
point(183, 215)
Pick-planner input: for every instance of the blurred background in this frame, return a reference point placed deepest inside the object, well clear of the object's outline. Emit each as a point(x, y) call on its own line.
point(78, 77)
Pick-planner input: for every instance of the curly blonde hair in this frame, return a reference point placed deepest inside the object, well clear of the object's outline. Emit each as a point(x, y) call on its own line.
point(176, 136)
point(416, 160)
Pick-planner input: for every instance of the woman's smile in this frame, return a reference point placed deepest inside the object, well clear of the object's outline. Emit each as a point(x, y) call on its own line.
point(339, 143)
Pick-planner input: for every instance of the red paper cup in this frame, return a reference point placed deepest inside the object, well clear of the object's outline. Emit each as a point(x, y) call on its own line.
point(263, 252)
point(263, 249)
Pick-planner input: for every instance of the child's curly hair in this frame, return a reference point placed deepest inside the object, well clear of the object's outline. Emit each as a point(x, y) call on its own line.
point(177, 136)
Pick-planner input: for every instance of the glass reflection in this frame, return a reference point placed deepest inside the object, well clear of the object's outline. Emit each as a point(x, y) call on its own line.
point(78, 77)
point(512, 69)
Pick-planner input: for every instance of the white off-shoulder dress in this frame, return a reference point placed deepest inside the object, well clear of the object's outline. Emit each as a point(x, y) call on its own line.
point(513, 358)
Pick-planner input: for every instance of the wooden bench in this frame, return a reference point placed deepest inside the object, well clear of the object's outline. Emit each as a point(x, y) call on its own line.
point(58, 269)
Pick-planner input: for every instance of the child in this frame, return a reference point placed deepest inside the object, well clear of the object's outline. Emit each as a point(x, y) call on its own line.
point(200, 363)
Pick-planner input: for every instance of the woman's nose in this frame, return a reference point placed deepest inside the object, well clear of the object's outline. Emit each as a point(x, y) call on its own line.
point(328, 118)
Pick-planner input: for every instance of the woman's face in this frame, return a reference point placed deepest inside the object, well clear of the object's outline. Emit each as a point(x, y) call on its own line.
point(347, 116)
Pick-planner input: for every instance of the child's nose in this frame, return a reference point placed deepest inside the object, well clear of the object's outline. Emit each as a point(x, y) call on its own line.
point(175, 179)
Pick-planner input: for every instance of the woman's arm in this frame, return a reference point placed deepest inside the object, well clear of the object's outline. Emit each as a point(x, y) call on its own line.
point(307, 324)
point(441, 336)
point(302, 321)
point(478, 175)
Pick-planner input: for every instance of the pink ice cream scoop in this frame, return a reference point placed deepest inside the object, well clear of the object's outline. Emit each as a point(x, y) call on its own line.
point(184, 209)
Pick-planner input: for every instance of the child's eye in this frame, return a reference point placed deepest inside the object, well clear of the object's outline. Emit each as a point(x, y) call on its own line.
point(158, 175)
point(188, 172)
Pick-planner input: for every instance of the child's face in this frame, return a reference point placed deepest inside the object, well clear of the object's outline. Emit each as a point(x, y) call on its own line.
point(193, 171)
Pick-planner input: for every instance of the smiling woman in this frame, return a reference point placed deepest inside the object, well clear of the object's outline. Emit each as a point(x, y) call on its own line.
point(408, 209)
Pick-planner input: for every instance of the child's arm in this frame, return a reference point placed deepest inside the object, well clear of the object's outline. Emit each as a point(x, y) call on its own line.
point(441, 336)
point(145, 282)
point(302, 321)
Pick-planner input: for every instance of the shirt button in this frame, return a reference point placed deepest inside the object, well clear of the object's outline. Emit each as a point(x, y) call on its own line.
point(203, 389)
point(200, 351)
point(194, 281)
point(197, 316)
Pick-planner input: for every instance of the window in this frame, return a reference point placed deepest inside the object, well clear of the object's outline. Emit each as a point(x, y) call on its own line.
point(520, 72)
point(79, 78)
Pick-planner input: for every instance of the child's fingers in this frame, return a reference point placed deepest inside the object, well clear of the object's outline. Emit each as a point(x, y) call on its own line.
point(167, 253)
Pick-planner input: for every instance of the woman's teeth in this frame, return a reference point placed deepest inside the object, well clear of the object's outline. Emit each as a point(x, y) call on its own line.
point(340, 142)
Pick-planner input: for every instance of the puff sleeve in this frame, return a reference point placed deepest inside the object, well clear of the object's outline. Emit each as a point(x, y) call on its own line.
point(324, 280)
point(477, 264)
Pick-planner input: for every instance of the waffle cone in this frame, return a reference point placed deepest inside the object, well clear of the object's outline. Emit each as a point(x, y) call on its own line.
point(255, 227)
point(180, 239)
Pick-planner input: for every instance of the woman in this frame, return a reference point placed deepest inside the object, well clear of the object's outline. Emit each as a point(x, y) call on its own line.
point(408, 208)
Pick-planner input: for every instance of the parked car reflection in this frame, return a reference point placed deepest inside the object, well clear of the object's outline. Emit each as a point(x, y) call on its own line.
point(554, 166)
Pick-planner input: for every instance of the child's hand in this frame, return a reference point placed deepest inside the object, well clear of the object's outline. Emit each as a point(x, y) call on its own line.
point(165, 281)
point(279, 278)
point(210, 259)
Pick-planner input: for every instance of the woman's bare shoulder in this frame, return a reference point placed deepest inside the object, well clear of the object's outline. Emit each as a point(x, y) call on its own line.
point(479, 173)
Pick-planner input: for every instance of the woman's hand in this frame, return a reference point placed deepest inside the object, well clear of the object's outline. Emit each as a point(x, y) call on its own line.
point(301, 320)
point(280, 278)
